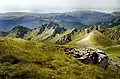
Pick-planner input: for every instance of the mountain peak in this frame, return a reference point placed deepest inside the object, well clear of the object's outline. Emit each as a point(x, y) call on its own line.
point(53, 25)
point(18, 31)
point(18, 27)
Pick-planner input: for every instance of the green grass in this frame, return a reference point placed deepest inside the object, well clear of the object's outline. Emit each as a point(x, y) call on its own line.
point(99, 39)
point(92, 39)
point(32, 34)
point(113, 33)
point(77, 37)
point(59, 36)
point(31, 60)
point(113, 52)
point(44, 35)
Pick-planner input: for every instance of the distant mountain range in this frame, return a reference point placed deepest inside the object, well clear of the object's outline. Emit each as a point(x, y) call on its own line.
point(54, 33)
point(116, 13)
point(69, 20)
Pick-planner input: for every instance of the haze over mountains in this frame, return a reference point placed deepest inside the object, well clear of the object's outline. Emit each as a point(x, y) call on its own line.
point(69, 20)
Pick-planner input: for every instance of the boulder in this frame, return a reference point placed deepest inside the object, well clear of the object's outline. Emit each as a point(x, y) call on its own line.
point(89, 56)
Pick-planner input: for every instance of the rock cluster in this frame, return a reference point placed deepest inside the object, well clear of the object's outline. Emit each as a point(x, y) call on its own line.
point(89, 56)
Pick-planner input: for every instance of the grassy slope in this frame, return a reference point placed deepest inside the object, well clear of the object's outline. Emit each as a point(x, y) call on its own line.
point(41, 37)
point(99, 39)
point(113, 52)
point(94, 39)
point(58, 36)
point(12, 34)
point(113, 33)
point(29, 60)
point(31, 34)
point(44, 35)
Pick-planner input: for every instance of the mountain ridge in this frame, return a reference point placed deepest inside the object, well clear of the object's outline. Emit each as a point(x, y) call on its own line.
point(54, 33)
point(78, 19)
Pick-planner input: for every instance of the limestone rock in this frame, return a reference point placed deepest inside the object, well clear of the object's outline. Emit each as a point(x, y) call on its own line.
point(89, 56)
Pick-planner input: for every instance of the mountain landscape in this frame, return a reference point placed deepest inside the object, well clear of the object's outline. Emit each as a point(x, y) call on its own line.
point(73, 45)
point(76, 19)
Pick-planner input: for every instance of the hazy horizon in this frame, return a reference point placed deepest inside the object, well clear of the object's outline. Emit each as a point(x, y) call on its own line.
point(58, 6)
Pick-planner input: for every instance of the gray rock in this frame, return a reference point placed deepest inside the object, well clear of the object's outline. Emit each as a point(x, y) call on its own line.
point(89, 56)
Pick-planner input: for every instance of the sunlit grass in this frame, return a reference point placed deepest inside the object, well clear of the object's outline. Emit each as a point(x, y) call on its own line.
point(31, 60)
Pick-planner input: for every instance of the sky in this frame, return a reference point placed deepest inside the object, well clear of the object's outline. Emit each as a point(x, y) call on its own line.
point(54, 6)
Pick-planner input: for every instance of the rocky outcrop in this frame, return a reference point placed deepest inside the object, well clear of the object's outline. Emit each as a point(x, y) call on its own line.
point(49, 29)
point(58, 29)
point(3, 33)
point(95, 28)
point(41, 28)
point(74, 30)
point(65, 39)
point(53, 25)
point(18, 32)
point(89, 56)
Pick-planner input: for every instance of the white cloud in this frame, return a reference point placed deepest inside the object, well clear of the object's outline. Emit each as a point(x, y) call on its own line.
point(57, 5)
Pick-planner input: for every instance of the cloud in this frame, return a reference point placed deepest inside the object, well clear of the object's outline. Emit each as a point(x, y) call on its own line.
point(57, 5)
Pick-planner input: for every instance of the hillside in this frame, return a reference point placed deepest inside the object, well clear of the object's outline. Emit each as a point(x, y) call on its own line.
point(110, 23)
point(116, 13)
point(91, 17)
point(25, 59)
point(95, 38)
point(39, 53)
point(113, 33)
point(54, 33)
point(45, 32)
point(18, 32)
